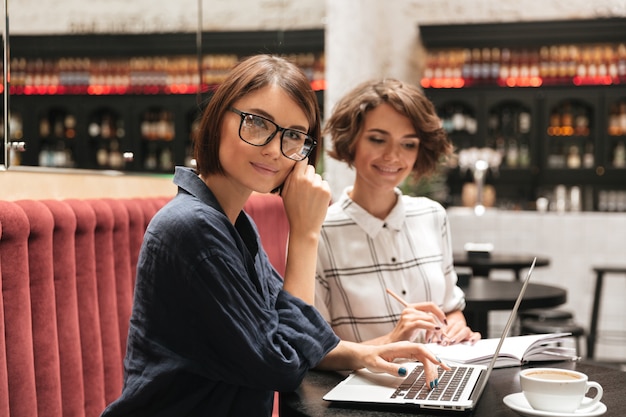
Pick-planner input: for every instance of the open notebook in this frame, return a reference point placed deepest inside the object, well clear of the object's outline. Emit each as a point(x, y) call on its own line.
point(515, 351)
point(459, 389)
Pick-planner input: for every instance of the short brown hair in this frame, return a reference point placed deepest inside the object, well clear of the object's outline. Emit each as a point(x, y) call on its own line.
point(347, 120)
point(247, 76)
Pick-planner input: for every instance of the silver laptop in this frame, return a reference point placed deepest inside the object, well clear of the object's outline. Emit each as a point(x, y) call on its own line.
point(459, 389)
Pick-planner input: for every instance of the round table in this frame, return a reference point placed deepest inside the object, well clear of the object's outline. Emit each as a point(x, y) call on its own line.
point(481, 265)
point(483, 295)
point(307, 400)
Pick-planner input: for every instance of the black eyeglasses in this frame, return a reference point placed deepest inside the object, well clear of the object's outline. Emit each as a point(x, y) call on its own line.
point(258, 131)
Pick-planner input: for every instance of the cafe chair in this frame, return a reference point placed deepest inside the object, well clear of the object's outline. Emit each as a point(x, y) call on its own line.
point(601, 272)
point(539, 321)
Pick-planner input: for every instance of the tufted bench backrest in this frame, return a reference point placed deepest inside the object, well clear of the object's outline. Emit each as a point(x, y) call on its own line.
point(67, 272)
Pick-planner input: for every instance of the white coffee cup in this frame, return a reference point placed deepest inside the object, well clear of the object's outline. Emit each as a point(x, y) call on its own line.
point(558, 390)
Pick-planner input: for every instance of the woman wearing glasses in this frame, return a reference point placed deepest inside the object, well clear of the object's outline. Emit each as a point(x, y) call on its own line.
point(214, 330)
point(375, 239)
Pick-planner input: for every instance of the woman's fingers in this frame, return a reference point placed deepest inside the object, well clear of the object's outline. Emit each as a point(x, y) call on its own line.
point(475, 337)
point(431, 308)
point(306, 197)
point(413, 352)
point(464, 334)
point(412, 320)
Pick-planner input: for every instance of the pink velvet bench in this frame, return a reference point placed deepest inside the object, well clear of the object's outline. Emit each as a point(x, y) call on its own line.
point(67, 269)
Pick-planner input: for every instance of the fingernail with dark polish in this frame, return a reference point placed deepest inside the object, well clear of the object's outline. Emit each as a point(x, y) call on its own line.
point(402, 371)
point(432, 384)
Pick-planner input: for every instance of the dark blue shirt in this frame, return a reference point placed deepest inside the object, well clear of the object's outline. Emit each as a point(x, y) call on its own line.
point(212, 332)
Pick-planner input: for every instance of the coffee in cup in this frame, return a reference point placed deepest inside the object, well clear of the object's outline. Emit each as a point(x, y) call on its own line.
point(558, 390)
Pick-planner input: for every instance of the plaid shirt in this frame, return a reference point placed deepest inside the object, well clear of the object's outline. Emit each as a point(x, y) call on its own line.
point(360, 256)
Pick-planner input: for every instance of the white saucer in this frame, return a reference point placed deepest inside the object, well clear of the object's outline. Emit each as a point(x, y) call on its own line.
point(518, 403)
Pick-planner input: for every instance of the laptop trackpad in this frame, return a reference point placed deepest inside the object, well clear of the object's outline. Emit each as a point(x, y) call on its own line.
point(365, 378)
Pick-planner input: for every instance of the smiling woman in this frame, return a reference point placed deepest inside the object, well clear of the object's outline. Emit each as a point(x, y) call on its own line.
point(374, 238)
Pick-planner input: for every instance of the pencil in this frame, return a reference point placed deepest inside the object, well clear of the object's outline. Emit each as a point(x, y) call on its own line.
point(397, 297)
point(405, 304)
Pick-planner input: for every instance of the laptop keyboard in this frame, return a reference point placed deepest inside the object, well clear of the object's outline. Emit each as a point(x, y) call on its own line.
point(451, 385)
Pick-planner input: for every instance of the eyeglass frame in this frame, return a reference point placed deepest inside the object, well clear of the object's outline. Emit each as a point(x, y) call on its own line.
point(282, 130)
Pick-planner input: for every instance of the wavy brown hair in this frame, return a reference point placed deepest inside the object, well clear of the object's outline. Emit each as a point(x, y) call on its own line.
point(346, 122)
point(249, 75)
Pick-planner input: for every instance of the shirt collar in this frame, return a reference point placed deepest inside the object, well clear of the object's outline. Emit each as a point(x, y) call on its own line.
point(188, 181)
point(370, 224)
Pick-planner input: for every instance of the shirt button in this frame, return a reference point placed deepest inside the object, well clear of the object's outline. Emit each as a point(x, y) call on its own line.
point(393, 259)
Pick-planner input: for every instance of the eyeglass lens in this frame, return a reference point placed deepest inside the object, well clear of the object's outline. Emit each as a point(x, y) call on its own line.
point(259, 131)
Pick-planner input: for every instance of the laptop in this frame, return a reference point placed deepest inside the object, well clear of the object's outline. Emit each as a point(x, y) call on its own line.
point(459, 389)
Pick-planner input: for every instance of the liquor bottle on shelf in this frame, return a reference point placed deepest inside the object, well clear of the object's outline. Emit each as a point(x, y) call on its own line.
point(57, 133)
point(44, 127)
point(508, 129)
point(544, 62)
point(621, 118)
point(157, 132)
point(147, 126)
point(157, 124)
point(581, 121)
point(554, 126)
point(476, 65)
point(524, 155)
point(193, 129)
point(495, 64)
point(567, 120)
point(102, 156)
point(58, 128)
point(562, 63)
point(69, 124)
point(621, 62)
point(485, 64)
point(515, 67)
point(619, 155)
point(573, 157)
point(572, 59)
point(582, 62)
point(57, 155)
point(115, 159)
point(166, 162)
point(16, 144)
point(189, 159)
point(524, 121)
point(556, 157)
point(466, 67)
point(150, 161)
point(588, 156)
point(614, 126)
point(106, 135)
point(512, 154)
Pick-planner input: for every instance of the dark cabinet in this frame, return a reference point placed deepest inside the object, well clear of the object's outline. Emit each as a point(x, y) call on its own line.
point(132, 103)
point(544, 137)
point(128, 133)
point(558, 124)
